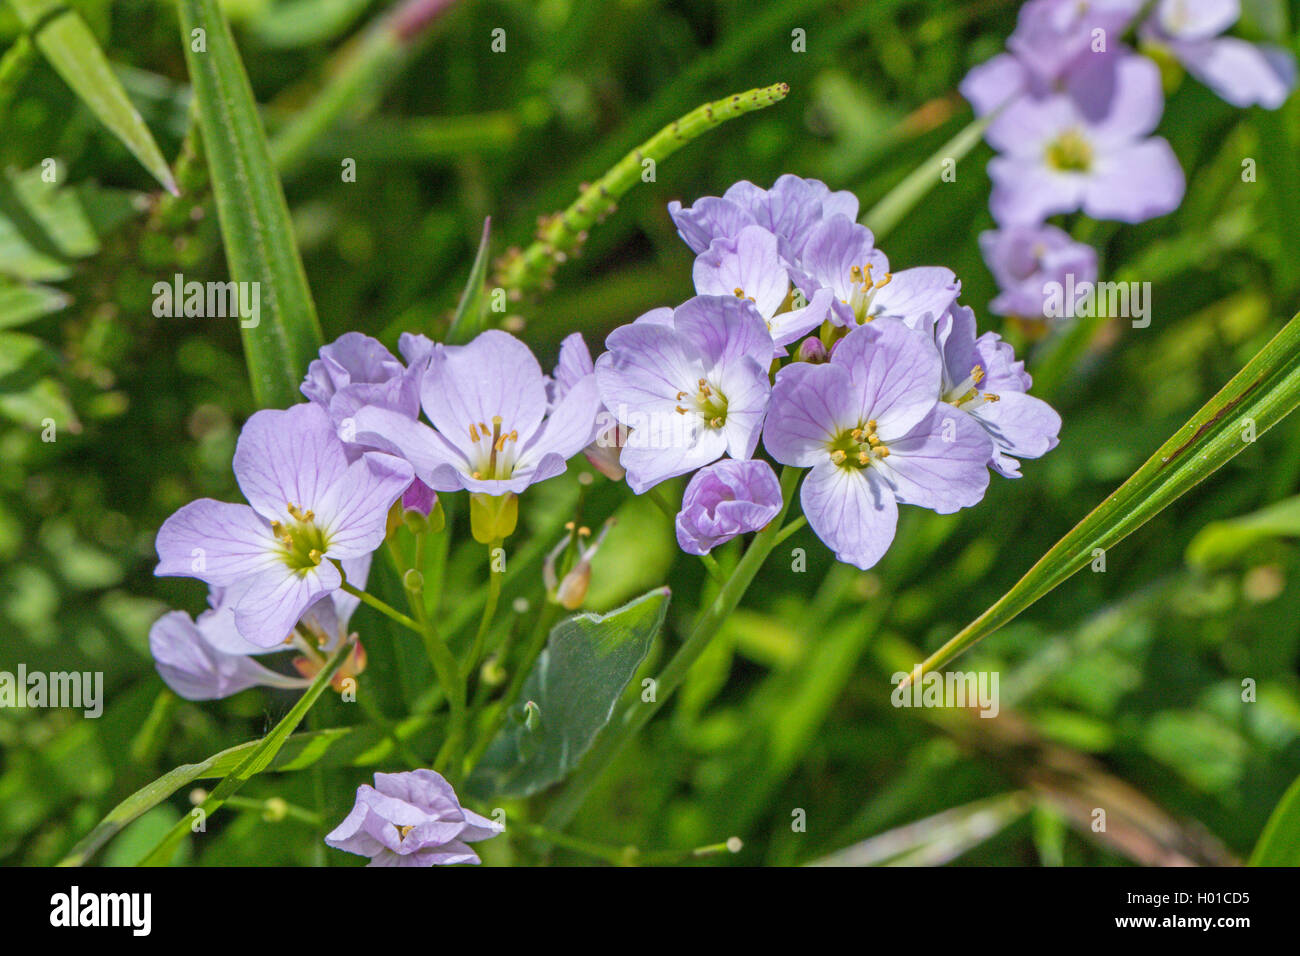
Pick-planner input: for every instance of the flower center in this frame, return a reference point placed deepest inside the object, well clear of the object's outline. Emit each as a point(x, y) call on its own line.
point(858, 447)
point(966, 395)
point(402, 831)
point(1070, 153)
point(862, 291)
point(303, 542)
point(495, 451)
point(710, 404)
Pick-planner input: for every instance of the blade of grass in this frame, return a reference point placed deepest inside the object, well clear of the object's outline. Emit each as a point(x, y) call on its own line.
point(1257, 397)
point(258, 759)
point(68, 44)
point(255, 224)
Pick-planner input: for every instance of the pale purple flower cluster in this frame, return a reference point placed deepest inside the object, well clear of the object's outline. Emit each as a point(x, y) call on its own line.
point(1074, 113)
point(889, 399)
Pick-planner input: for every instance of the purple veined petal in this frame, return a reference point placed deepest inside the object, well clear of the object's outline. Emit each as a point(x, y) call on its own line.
point(1025, 258)
point(954, 335)
point(914, 295)
point(790, 326)
point(834, 248)
point(1197, 19)
point(811, 405)
point(1002, 371)
point(427, 450)
point(724, 330)
point(647, 465)
point(1136, 104)
point(575, 363)
point(1241, 73)
point(710, 218)
point(748, 262)
point(479, 828)
point(794, 206)
point(419, 497)
point(494, 375)
point(416, 348)
point(646, 368)
point(726, 499)
point(1135, 183)
point(288, 457)
point(350, 359)
point(852, 510)
point(354, 511)
point(267, 606)
point(835, 203)
point(940, 463)
point(196, 670)
point(352, 835)
point(1025, 192)
point(747, 388)
point(570, 427)
point(992, 83)
point(1026, 127)
point(1020, 424)
point(216, 542)
point(329, 615)
point(450, 854)
point(426, 789)
point(896, 374)
point(217, 629)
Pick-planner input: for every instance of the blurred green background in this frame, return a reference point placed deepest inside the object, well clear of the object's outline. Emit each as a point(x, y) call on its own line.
point(1121, 690)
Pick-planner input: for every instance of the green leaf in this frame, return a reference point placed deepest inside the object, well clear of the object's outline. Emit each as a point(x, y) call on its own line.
point(255, 223)
point(1279, 844)
point(20, 303)
point(360, 746)
point(1220, 542)
point(258, 759)
point(1257, 398)
point(471, 313)
point(574, 686)
point(68, 44)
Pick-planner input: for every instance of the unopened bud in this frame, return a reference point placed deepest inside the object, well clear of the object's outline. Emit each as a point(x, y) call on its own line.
point(811, 350)
point(493, 517)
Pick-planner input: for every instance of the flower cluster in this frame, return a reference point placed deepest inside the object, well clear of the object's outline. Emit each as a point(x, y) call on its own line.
point(800, 340)
point(1073, 112)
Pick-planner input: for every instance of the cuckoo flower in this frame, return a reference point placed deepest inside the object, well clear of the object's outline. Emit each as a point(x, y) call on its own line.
point(841, 257)
point(608, 437)
point(690, 384)
point(1058, 46)
point(982, 378)
point(309, 507)
point(1244, 74)
point(1026, 259)
point(790, 211)
point(726, 499)
point(356, 370)
point(411, 819)
point(1054, 159)
point(749, 265)
point(494, 432)
point(869, 425)
point(206, 658)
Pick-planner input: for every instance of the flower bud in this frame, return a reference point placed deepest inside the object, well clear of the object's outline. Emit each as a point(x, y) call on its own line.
point(604, 452)
point(811, 350)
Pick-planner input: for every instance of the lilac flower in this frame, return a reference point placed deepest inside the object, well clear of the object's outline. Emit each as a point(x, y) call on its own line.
point(790, 210)
point(411, 819)
point(982, 378)
point(689, 384)
point(206, 658)
point(1057, 160)
point(1058, 46)
point(870, 427)
point(841, 257)
point(1025, 259)
point(356, 370)
point(309, 508)
point(749, 265)
point(494, 431)
point(726, 499)
point(1242, 73)
point(608, 437)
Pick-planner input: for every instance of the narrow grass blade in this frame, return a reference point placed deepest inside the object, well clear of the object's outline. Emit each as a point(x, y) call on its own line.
point(471, 313)
point(1256, 399)
point(283, 337)
point(69, 45)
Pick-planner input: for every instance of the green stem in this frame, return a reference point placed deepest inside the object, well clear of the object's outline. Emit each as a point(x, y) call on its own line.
point(789, 529)
point(489, 609)
point(620, 732)
point(385, 609)
point(561, 235)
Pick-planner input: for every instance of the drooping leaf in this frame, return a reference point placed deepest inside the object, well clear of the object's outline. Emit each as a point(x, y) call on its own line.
point(1219, 543)
point(571, 693)
point(255, 223)
point(1256, 399)
point(21, 303)
point(68, 44)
